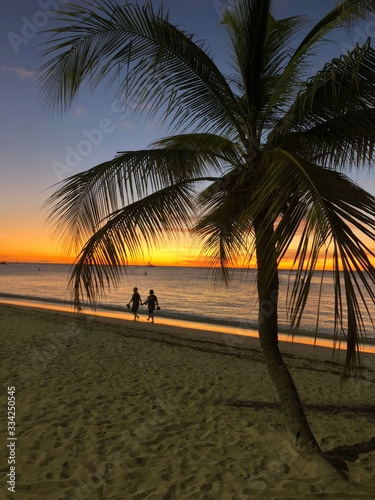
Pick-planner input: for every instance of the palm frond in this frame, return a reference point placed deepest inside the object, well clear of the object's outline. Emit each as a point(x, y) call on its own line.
point(225, 228)
point(333, 118)
point(344, 14)
point(225, 240)
point(325, 211)
point(248, 22)
point(213, 150)
point(84, 200)
point(125, 235)
point(261, 47)
point(352, 11)
point(166, 72)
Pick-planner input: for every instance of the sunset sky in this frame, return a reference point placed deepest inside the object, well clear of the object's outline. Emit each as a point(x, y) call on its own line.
point(36, 146)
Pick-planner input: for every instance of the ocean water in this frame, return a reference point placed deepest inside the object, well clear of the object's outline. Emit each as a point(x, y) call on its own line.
point(187, 294)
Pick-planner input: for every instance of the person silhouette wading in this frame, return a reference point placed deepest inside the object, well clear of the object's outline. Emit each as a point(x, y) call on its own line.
point(152, 304)
point(135, 301)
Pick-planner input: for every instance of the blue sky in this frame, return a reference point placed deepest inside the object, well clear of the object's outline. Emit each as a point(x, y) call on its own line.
point(35, 145)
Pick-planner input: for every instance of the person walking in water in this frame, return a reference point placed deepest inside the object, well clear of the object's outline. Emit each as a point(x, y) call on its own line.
point(135, 301)
point(152, 304)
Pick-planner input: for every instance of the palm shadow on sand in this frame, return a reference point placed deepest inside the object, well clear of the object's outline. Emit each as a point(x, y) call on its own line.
point(337, 456)
point(349, 453)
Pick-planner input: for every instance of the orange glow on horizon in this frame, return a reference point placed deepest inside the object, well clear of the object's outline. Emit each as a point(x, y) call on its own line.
point(40, 250)
point(33, 248)
point(161, 257)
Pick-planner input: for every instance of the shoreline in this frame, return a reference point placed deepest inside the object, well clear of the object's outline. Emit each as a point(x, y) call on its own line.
point(232, 335)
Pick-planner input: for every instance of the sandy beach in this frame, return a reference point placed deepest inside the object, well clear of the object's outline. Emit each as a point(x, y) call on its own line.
point(110, 409)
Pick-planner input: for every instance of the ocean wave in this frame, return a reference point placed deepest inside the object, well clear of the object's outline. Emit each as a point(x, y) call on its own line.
point(240, 325)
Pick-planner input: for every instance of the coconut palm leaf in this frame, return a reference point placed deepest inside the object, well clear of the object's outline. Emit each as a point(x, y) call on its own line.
point(225, 230)
point(333, 117)
point(125, 235)
point(84, 200)
point(345, 13)
point(162, 63)
point(298, 65)
point(325, 207)
point(259, 56)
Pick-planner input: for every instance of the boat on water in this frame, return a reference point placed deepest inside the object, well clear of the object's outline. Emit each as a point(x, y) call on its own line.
point(3, 263)
point(150, 265)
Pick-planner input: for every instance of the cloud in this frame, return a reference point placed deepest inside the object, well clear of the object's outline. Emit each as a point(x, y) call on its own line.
point(79, 111)
point(18, 71)
point(127, 125)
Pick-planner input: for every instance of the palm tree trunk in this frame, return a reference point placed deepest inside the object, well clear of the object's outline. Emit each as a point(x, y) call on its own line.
point(268, 287)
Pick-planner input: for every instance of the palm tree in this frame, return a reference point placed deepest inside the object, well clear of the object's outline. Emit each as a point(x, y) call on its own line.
point(254, 160)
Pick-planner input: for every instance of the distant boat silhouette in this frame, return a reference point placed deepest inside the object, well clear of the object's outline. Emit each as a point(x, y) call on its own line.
point(3, 263)
point(150, 265)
